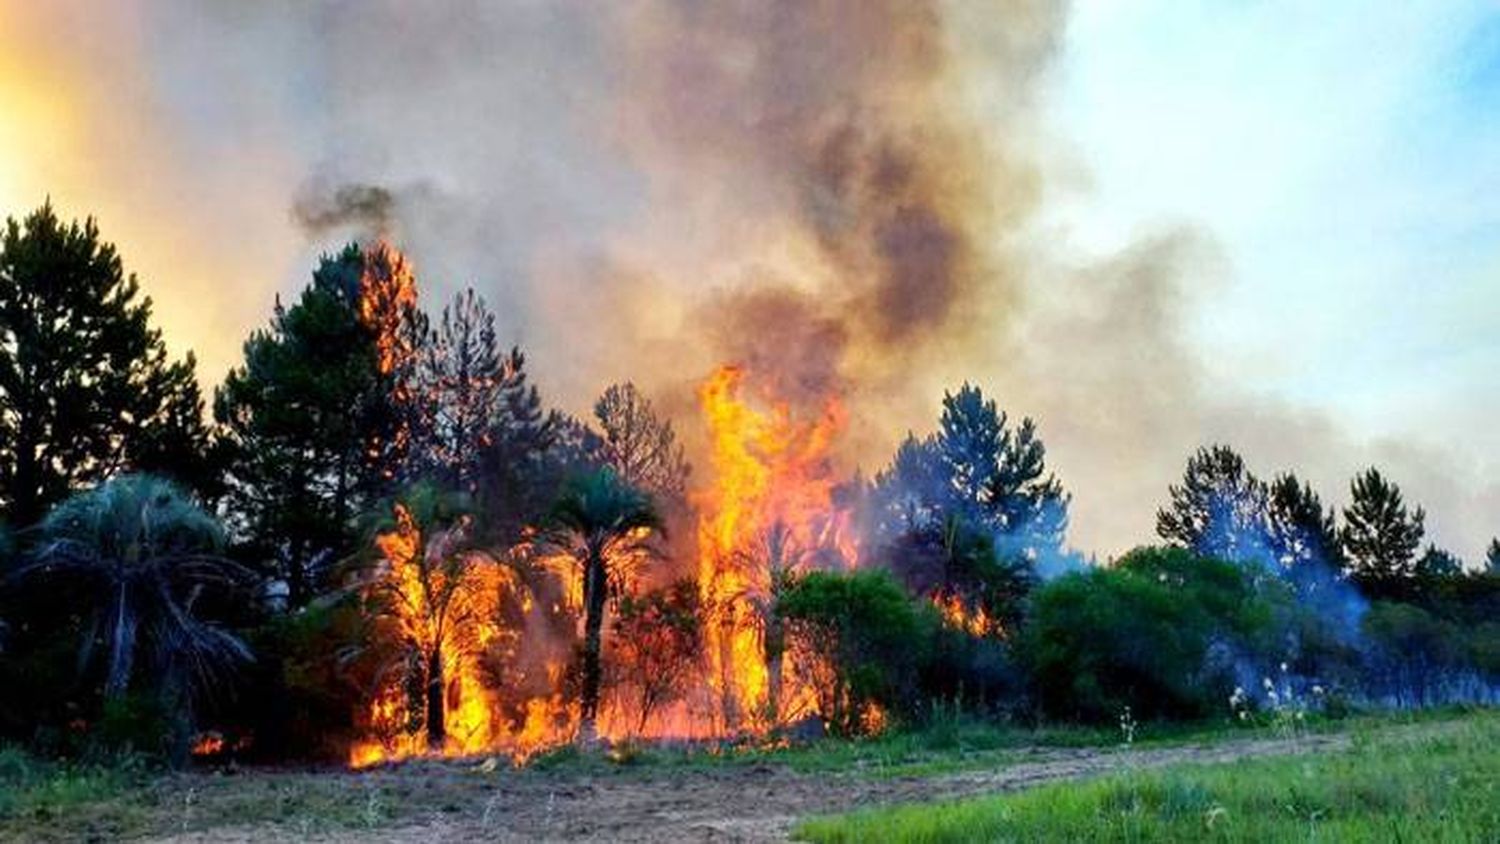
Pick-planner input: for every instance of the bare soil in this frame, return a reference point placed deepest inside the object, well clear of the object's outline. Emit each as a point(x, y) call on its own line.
point(434, 802)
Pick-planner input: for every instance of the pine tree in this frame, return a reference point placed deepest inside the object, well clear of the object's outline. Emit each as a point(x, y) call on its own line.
point(1380, 535)
point(996, 478)
point(86, 387)
point(641, 446)
point(1029, 504)
point(1438, 563)
point(970, 439)
point(966, 514)
point(316, 415)
point(1492, 557)
point(525, 459)
point(1299, 531)
point(462, 380)
point(908, 496)
point(1219, 510)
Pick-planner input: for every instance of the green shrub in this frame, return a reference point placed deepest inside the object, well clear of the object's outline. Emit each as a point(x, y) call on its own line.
point(1160, 632)
point(857, 639)
point(299, 698)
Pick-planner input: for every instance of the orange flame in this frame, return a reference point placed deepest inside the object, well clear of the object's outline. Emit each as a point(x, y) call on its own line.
point(957, 615)
point(769, 512)
point(208, 744)
point(772, 472)
point(441, 604)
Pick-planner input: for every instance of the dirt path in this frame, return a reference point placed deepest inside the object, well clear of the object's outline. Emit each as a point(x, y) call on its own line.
point(751, 803)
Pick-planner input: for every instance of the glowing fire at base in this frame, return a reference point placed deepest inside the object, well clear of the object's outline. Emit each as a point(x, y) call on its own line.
point(957, 615)
point(770, 513)
point(771, 510)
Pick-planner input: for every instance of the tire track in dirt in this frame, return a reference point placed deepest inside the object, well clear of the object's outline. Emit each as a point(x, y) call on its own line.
point(753, 803)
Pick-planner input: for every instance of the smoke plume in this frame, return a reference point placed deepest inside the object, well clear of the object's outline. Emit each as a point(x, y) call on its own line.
point(368, 208)
point(846, 196)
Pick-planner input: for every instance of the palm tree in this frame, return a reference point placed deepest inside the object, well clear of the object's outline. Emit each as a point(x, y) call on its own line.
point(137, 553)
point(437, 588)
point(605, 525)
point(772, 566)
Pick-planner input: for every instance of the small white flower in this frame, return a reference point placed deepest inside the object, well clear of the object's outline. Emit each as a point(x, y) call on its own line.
point(1283, 668)
point(1317, 690)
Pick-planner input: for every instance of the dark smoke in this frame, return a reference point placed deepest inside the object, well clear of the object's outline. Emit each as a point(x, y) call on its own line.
point(837, 126)
point(319, 208)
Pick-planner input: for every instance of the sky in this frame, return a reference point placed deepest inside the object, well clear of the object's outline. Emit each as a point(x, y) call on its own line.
point(1271, 223)
point(1344, 156)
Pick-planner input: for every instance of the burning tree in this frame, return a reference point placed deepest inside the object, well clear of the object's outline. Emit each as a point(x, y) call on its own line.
point(773, 562)
point(435, 597)
point(605, 526)
point(656, 645)
point(641, 445)
point(773, 492)
point(320, 412)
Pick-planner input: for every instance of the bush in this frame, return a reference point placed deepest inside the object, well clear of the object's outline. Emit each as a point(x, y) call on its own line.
point(857, 640)
point(1161, 632)
point(1419, 659)
point(975, 673)
point(300, 695)
point(656, 644)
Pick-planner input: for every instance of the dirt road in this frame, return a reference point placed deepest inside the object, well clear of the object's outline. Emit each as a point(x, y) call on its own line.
point(456, 802)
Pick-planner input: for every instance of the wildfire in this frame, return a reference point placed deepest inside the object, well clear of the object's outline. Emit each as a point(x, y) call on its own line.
point(440, 600)
point(770, 512)
point(388, 292)
point(957, 615)
point(208, 744)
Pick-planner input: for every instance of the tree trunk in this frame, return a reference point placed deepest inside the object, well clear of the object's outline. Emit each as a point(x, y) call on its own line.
point(775, 650)
point(728, 693)
point(437, 731)
point(593, 628)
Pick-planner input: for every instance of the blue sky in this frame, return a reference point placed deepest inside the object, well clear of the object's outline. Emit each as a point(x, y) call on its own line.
point(1345, 157)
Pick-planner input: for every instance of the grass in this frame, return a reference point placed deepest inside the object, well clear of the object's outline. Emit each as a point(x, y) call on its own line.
point(951, 743)
point(1425, 784)
point(123, 798)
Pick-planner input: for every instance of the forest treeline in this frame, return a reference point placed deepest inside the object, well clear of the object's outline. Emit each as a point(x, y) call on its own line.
point(172, 562)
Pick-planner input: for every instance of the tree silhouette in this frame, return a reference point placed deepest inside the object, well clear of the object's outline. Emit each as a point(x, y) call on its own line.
point(639, 444)
point(461, 382)
point(977, 469)
point(315, 414)
point(1299, 531)
point(1380, 534)
point(86, 388)
point(1218, 510)
point(136, 555)
point(1438, 563)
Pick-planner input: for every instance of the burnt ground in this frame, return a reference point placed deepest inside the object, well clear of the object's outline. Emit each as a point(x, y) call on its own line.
point(463, 801)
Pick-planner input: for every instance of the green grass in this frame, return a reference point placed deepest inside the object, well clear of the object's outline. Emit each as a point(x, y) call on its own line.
point(949, 744)
point(1433, 783)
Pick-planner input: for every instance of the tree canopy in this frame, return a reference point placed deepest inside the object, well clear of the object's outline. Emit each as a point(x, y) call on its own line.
point(1381, 535)
point(87, 388)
